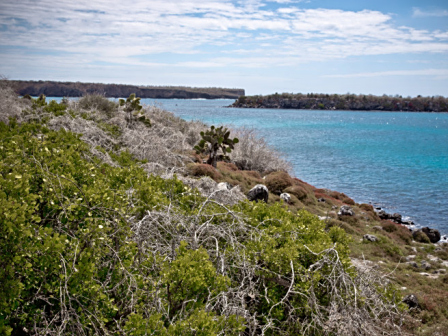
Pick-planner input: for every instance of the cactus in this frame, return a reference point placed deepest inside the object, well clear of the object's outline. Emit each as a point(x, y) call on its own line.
point(217, 138)
point(134, 109)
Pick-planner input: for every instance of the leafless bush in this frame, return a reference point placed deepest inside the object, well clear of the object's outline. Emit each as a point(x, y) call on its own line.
point(11, 105)
point(359, 301)
point(97, 102)
point(253, 153)
point(356, 302)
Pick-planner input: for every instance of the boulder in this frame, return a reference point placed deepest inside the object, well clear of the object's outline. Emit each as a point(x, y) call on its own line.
point(426, 265)
point(370, 237)
point(224, 186)
point(345, 210)
point(433, 234)
point(396, 217)
point(383, 214)
point(408, 222)
point(321, 199)
point(285, 197)
point(258, 193)
point(412, 263)
point(420, 236)
point(411, 300)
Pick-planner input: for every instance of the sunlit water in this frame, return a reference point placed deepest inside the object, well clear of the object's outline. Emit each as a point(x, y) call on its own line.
point(395, 160)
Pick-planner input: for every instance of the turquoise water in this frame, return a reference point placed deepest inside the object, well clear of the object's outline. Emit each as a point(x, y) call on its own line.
point(396, 160)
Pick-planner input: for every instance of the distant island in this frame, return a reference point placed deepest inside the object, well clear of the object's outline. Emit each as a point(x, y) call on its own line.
point(77, 89)
point(314, 101)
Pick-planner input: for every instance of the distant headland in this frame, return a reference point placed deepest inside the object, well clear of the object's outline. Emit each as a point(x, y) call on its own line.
point(314, 101)
point(78, 89)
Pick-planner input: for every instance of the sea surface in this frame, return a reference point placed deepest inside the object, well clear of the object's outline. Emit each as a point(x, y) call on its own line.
point(394, 160)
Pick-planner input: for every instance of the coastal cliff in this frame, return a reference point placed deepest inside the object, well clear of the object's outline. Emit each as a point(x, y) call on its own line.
point(349, 102)
point(77, 89)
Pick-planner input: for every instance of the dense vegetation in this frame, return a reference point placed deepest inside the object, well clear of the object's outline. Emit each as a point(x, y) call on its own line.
point(102, 231)
point(314, 101)
point(78, 89)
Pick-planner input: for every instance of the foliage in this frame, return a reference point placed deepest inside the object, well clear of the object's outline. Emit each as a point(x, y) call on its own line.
point(347, 101)
point(218, 138)
point(134, 109)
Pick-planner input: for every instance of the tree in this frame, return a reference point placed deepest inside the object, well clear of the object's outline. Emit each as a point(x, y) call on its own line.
point(217, 138)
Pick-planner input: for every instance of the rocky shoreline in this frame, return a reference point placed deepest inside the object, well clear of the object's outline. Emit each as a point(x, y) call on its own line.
point(422, 235)
point(433, 235)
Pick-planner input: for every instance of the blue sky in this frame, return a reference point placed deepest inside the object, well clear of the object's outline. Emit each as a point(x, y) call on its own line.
point(326, 46)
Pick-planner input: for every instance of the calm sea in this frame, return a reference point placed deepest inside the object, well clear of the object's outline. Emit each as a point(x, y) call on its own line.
point(395, 160)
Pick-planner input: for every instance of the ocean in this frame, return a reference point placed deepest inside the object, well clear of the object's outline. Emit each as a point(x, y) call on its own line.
point(394, 160)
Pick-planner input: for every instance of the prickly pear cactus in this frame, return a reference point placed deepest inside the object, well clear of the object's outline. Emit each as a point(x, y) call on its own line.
point(215, 139)
point(134, 109)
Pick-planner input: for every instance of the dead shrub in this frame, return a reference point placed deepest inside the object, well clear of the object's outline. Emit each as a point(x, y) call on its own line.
point(252, 174)
point(202, 169)
point(298, 191)
point(390, 227)
point(227, 166)
point(12, 106)
point(99, 103)
point(351, 220)
point(366, 207)
point(342, 197)
point(253, 153)
point(277, 182)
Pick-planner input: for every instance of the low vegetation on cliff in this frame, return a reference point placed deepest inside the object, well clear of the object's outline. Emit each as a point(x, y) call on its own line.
point(103, 230)
point(78, 89)
point(314, 101)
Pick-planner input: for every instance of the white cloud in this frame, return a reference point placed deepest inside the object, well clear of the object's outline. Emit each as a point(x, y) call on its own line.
point(112, 31)
point(417, 12)
point(424, 72)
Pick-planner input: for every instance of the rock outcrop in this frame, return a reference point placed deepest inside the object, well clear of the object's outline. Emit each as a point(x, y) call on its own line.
point(258, 193)
point(433, 234)
point(345, 210)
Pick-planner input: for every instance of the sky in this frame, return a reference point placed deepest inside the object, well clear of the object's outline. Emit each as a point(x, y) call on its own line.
point(322, 46)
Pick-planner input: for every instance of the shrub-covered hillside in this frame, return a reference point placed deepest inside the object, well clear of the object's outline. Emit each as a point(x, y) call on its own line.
point(319, 101)
point(98, 235)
